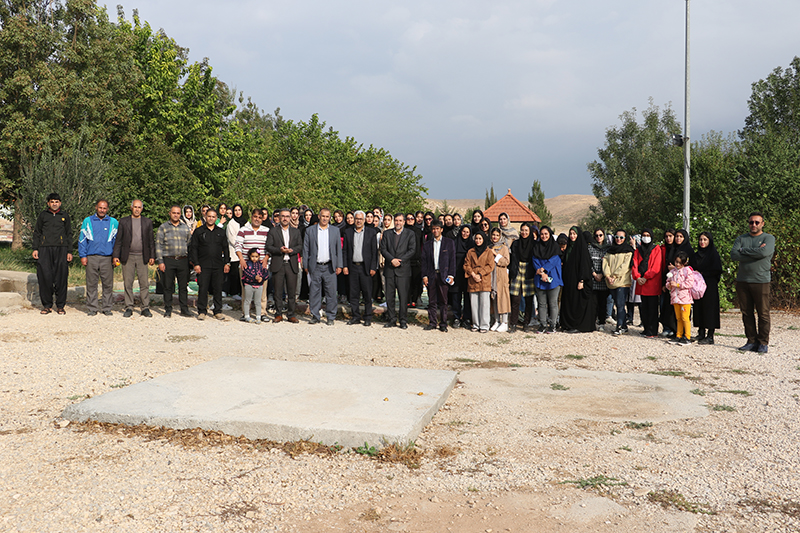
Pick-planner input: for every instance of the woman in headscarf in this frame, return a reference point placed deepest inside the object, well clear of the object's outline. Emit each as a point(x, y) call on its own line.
point(478, 267)
point(577, 301)
point(597, 250)
point(501, 299)
point(522, 283)
point(234, 287)
point(309, 219)
point(458, 294)
point(617, 271)
point(706, 310)
point(188, 217)
point(546, 264)
point(475, 224)
point(509, 233)
point(646, 275)
point(667, 312)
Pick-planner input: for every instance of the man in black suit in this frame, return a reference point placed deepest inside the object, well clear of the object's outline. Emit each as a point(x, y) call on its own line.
point(135, 249)
point(398, 246)
point(284, 244)
point(438, 273)
point(209, 255)
point(322, 253)
point(360, 265)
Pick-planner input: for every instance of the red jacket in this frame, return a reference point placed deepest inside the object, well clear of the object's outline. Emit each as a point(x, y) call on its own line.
point(655, 266)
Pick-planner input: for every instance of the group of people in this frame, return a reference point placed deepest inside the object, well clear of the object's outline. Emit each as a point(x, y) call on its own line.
point(485, 274)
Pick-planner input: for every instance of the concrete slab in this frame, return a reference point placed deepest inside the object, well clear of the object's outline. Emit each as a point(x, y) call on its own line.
point(588, 395)
point(281, 401)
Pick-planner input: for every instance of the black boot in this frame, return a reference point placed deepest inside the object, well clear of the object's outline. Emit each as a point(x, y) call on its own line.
point(709, 338)
point(701, 334)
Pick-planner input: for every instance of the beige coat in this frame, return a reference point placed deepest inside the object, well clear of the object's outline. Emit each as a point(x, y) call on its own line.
point(503, 301)
point(483, 265)
point(617, 266)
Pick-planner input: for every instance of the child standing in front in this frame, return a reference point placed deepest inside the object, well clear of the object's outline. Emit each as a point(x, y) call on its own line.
point(253, 278)
point(680, 281)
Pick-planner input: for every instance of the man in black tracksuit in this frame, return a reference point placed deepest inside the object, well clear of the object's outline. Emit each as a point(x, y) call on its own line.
point(52, 245)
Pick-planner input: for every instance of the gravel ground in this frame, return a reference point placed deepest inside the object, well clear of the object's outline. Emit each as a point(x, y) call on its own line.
point(740, 462)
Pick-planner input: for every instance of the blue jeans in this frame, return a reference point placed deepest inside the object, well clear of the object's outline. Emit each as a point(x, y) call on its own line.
point(620, 296)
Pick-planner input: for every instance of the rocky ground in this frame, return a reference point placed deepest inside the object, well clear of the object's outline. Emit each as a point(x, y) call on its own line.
point(486, 466)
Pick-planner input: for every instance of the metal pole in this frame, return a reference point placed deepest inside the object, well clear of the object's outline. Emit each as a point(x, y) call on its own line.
point(687, 146)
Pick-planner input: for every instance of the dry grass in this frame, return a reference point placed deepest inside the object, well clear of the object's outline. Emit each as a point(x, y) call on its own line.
point(671, 498)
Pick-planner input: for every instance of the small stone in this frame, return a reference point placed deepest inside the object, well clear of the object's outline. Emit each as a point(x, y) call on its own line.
point(640, 492)
point(434, 499)
point(63, 423)
point(250, 514)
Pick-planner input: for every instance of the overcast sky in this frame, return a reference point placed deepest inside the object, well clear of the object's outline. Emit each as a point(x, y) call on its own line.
point(480, 93)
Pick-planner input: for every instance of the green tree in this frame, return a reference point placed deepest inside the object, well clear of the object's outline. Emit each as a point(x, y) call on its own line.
point(78, 172)
point(491, 199)
point(65, 72)
point(537, 205)
point(638, 175)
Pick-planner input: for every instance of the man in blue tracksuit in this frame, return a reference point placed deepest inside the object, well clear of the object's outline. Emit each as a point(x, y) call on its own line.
point(96, 246)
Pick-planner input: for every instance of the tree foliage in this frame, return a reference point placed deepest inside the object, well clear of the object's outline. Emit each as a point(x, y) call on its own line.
point(537, 205)
point(169, 130)
point(490, 199)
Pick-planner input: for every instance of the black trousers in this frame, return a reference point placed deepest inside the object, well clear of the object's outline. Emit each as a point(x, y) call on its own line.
point(668, 319)
point(360, 286)
point(601, 302)
point(176, 268)
point(52, 271)
point(415, 282)
point(437, 301)
point(515, 301)
point(648, 311)
point(754, 298)
point(401, 285)
point(285, 280)
point(209, 279)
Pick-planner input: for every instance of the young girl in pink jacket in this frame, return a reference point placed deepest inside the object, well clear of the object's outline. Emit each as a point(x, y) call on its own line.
point(680, 281)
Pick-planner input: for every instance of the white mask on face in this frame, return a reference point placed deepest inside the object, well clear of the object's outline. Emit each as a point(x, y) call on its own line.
point(646, 240)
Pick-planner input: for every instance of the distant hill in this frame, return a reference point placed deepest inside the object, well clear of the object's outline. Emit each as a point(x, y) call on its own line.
point(567, 209)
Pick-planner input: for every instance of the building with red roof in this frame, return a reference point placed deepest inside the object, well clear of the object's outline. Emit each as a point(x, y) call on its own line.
point(516, 210)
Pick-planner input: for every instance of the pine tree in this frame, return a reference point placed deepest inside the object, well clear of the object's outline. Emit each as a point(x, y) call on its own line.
point(537, 205)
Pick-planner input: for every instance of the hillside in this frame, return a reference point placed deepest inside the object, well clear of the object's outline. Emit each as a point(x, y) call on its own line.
point(567, 209)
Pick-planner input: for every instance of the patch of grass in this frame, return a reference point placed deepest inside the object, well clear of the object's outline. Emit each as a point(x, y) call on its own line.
point(123, 382)
point(739, 392)
point(574, 356)
point(789, 508)
point(185, 338)
point(626, 448)
point(651, 357)
point(558, 386)
point(366, 449)
point(465, 360)
point(499, 342)
point(445, 451)
point(472, 489)
point(674, 499)
point(407, 454)
point(793, 328)
point(615, 431)
point(529, 336)
point(520, 352)
point(456, 423)
point(638, 425)
point(698, 392)
point(596, 482)
point(722, 407)
point(78, 397)
point(738, 371)
point(737, 335)
point(497, 364)
point(674, 373)
point(692, 378)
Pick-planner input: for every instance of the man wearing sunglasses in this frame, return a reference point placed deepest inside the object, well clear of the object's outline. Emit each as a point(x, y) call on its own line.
point(754, 251)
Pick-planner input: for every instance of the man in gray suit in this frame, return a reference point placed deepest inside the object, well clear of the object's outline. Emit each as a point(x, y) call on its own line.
point(322, 253)
point(398, 247)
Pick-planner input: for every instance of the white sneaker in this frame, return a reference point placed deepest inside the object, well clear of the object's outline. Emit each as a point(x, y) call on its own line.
point(224, 294)
point(237, 297)
point(495, 326)
point(503, 328)
point(226, 307)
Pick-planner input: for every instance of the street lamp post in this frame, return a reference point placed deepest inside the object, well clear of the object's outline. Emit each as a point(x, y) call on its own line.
point(687, 145)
